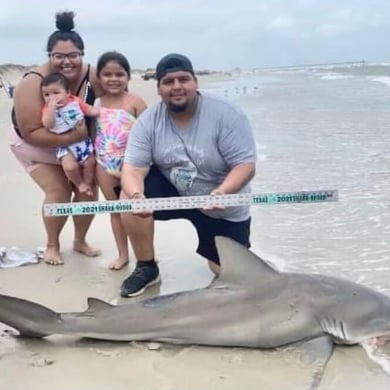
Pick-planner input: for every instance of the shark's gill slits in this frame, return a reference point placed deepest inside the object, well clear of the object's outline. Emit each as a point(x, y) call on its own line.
point(343, 330)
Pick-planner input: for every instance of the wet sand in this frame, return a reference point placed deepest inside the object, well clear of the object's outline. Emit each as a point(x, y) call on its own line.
point(60, 362)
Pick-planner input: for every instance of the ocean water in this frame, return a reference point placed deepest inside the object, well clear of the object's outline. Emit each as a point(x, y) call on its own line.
point(322, 128)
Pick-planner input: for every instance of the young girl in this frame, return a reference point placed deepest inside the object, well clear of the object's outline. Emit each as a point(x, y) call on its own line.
point(118, 111)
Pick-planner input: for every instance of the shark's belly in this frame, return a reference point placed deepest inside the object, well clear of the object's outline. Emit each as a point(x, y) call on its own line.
point(217, 318)
point(240, 325)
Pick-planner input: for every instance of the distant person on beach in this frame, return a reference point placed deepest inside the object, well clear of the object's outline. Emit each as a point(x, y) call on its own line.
point(190, 143)
point(35, 147)
point(60, 114)
point(118, 112)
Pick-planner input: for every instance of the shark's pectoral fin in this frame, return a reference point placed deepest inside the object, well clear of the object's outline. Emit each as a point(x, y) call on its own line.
point(315, 353)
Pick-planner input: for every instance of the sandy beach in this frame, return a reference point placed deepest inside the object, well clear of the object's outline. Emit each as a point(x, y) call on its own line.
point(60, 362)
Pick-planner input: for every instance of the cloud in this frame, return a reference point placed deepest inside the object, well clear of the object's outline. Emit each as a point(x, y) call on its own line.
point(218, 33)
point(281, 23)
point(349, 21)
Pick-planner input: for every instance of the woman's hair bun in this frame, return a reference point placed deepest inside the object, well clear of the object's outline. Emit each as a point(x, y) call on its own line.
point(64, 21)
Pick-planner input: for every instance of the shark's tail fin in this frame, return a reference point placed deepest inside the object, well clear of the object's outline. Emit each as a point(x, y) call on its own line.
point(29, 318)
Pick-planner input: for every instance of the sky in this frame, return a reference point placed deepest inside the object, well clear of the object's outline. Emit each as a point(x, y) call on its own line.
point(215, 34)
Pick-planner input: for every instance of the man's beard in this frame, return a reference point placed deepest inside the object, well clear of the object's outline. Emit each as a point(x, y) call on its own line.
point(177, 108)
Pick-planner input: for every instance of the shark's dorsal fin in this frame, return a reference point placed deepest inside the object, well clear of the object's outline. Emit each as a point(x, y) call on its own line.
point(95, 305)
point(239, 265)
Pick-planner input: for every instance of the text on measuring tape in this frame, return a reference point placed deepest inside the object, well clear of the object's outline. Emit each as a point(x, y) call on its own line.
point(187, 202)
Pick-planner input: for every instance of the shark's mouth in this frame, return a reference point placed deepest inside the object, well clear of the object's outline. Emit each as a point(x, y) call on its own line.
point(381, 340)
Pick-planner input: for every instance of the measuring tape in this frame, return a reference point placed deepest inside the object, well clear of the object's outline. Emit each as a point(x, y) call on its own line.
point(187, 202)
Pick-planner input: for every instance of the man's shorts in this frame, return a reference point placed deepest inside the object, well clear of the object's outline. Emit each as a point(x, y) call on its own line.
point(157, 186)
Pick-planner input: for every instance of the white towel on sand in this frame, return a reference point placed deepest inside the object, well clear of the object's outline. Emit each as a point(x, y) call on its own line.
point(14, 257)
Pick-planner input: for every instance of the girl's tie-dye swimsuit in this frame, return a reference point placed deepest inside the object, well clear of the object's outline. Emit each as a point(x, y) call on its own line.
point(112, 130)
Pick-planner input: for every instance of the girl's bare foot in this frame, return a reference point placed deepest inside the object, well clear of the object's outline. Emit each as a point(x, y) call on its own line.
point(118, 264)
point(85, 249)
point(52, 255)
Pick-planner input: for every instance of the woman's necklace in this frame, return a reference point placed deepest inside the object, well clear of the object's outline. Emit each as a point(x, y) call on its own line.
point(86, 90)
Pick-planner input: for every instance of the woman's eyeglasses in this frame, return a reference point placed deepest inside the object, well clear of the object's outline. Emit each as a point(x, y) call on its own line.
point(73, 56)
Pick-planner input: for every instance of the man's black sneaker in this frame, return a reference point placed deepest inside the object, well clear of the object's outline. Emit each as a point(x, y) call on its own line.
point(142, 277)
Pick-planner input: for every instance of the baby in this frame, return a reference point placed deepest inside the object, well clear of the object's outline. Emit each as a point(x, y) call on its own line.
point(61, 112)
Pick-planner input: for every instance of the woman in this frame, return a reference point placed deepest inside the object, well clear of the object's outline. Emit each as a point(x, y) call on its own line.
point(34, 146)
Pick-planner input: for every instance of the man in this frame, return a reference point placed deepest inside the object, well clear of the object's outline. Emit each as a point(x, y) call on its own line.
point(199, 144)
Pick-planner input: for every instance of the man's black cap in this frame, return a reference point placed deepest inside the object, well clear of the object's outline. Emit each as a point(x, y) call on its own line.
point(173, 63)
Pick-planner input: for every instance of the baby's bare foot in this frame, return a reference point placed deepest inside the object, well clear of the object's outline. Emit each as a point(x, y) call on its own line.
point(84, 248)
point(118, 264)
point(52, 255)
point(86, 189)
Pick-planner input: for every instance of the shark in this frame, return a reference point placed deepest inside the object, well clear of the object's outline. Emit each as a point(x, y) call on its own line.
point(251, 304)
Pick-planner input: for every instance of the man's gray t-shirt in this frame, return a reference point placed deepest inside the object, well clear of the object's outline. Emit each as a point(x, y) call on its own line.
point(197, 159)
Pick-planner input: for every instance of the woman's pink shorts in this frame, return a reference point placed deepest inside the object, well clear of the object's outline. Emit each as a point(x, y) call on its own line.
point(30, 156)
